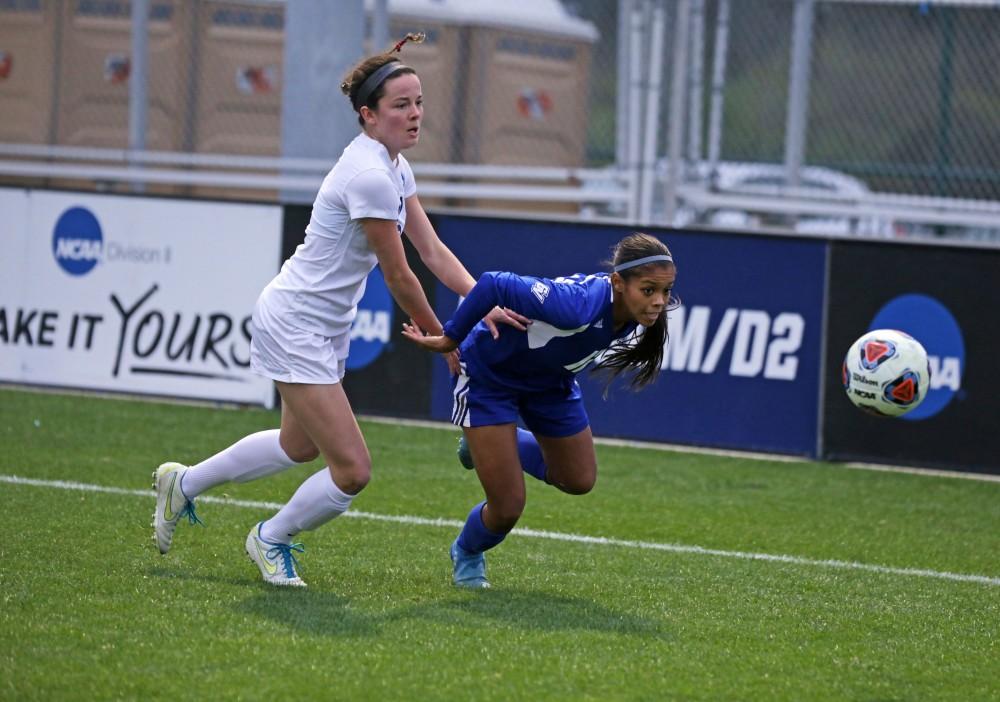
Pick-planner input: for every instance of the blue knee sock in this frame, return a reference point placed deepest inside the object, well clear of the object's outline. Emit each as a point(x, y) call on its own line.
point(475, 537)
point(530, 454)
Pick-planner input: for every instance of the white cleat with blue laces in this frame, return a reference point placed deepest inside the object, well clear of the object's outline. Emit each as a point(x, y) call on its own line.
point(469, 568)
point(171, 504)
point(276, 561)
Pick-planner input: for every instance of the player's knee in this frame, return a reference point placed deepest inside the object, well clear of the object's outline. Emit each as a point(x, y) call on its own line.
point(578, 485)
point(352, 477)
point(505, 513)
point(574, 481)
point(581, 485)
point(353, 483)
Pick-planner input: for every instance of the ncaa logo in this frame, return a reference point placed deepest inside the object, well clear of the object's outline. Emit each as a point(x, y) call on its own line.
point(370, 330)
point(77, 241)
point(929, 322)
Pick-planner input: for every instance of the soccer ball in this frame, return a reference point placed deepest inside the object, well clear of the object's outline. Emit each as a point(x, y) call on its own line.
point(886, 372)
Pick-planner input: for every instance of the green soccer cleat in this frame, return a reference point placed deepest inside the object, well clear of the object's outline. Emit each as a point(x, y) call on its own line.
point(276, 561)
point(469, 568)
point(171, 504)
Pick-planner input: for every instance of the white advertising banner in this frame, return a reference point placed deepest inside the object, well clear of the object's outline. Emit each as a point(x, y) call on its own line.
point(133, 294)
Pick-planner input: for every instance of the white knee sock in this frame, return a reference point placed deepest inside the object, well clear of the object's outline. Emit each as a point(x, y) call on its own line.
point(249, 458)
point(317, 501)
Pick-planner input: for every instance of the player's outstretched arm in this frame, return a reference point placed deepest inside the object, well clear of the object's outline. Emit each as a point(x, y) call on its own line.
point(440, 260)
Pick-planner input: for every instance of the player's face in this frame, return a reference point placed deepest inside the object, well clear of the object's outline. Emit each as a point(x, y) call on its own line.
point(643, 297)
point(396, 119)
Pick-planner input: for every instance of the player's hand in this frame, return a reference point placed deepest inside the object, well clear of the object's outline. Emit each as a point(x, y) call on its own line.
point(505, 316)
point(438, 344)
point(452, 358)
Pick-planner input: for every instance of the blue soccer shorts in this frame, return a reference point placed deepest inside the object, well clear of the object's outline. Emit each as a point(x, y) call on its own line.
point(556, 412)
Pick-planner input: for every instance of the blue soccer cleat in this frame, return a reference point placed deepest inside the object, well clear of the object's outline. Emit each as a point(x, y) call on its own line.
point(464, 454)
point(469, 568)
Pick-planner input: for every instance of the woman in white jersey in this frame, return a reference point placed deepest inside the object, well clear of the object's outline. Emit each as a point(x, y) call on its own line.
point(302, 320)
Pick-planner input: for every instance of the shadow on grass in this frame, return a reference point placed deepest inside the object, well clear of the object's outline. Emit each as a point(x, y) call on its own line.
point(181, 573)
point(326, 614)
point(539, 611)
point(310, 611)
point(306, 610)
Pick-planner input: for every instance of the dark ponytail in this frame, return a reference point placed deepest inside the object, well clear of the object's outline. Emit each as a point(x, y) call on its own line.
point(640, 353)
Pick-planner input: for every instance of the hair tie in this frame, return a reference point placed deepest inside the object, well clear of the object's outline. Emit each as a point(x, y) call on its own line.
point(415, 38)
point(641, 261)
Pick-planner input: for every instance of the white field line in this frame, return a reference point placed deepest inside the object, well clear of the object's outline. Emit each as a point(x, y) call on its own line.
point(537, 534)
point(628, 443)
point(726, 453)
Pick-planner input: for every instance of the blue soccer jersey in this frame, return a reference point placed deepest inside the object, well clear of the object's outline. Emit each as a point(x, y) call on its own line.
point(572, 323)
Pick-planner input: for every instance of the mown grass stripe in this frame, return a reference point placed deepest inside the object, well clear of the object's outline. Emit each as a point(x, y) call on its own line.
point(552, 535)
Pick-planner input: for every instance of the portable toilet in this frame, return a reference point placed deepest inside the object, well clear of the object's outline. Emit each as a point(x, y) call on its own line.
point(527, 86)
point(28, 49)
point(238, 72)
point(505, 83)
point(93, 98)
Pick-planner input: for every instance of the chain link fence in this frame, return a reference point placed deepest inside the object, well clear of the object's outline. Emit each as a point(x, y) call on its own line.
point(900, 96)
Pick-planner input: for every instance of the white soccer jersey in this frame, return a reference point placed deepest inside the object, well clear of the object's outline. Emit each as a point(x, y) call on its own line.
point(319, 287)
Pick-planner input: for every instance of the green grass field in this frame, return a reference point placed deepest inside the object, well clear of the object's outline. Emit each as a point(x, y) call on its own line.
point(91, 611)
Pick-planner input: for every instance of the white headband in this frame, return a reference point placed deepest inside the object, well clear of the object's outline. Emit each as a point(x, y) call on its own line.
point(641, 261)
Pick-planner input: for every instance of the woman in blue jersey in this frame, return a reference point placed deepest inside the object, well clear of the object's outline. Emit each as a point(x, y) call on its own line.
point(531, 375)
point(302, 323)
